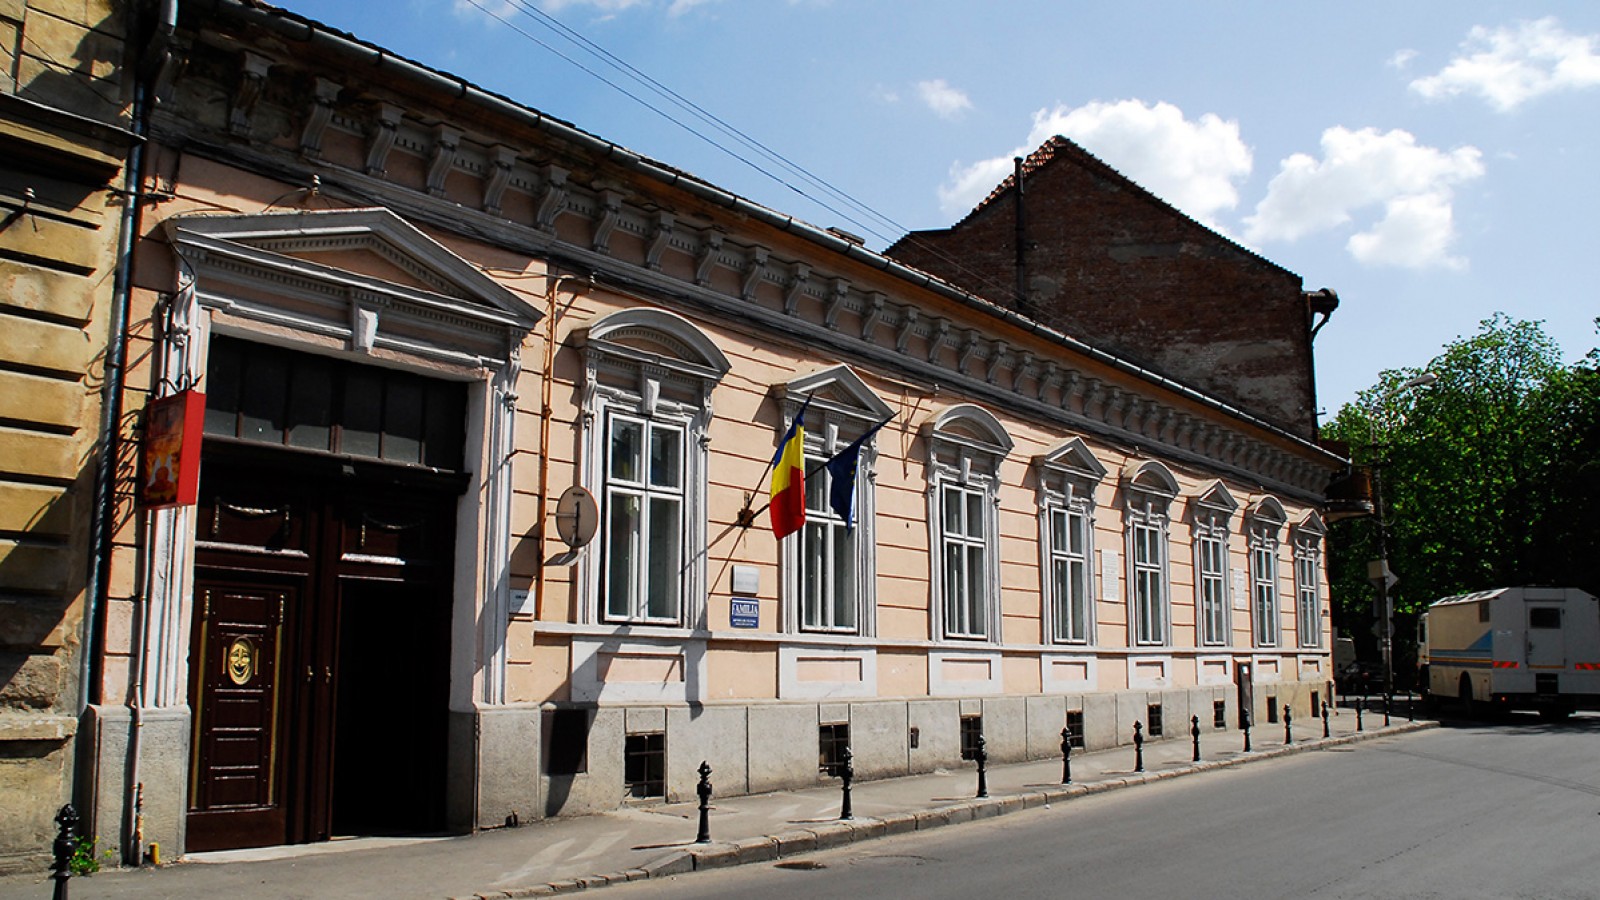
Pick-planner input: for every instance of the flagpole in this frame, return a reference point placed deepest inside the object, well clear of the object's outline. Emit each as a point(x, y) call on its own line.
point(747, 516)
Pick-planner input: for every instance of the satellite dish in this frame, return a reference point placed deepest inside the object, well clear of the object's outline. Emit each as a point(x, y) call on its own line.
point(577, 516)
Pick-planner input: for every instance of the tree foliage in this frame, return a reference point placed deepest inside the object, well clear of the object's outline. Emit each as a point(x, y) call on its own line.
point(1488, 475)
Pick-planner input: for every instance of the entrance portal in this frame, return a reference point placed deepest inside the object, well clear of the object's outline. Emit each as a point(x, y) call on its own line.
point(320, 649)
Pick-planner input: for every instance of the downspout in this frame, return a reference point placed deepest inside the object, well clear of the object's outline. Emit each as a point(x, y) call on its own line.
point(1023, 306)
point(1321, 302)
point(546, 376)
point(111, 415)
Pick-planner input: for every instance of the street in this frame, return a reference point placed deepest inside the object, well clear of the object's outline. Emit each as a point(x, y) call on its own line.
point(1492, 809)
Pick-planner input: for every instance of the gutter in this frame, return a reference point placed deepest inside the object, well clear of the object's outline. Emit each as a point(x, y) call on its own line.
point(354, 54)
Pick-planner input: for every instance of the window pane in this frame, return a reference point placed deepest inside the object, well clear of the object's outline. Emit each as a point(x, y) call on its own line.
point(627, 443)
point(266, 390)
point(1078, 579)
point(974, 514)
point(844, 594)
point(976, 593)
point(813, 577)
point(816, 487)
point(402, 420)
point(622, 552)
point(311, 403)
point(954, 583)
point(950, 499)
point(1061, 585)
point(666, 530)
point(222, 388)
point(445, 433)
point(363, 413)
point(666, 457)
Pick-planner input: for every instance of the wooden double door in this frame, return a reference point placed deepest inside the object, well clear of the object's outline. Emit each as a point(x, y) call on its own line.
point(320, 652)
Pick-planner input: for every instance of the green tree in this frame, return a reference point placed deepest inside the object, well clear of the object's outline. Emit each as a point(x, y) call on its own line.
point(1481, 474)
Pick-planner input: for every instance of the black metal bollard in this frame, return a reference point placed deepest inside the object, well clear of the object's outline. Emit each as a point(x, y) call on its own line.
point(1388, 701)
point(1194, 731)
point(66, 842)
point(1325, 732)
point(1066, 755)
point(704, 790)
point(981, 754)
point(1359, 725)
point(847, 773)
point(1138, 746)
point(1288, 735)
point(1411, 706)
point(1245, 717)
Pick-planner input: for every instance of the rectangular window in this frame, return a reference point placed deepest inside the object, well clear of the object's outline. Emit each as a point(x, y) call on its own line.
point(1153, 715)
point(1264, 582)
point(1272, 709)
point(1075, 725)
point(1219, 714)
point(964, 551)
point(828, 599)
point(644, 765)
point(1544, 617)
point(971, 730)
point(1310, 599)
point(1069, 574)
point(566, 741)
point(1149, 583)
point(1213, 553)
point(643, 521)
point(832, 739)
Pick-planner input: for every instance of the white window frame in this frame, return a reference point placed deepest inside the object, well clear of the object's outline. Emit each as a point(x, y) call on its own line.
point(1210, 521)
point(649, 492)
point(966, 445)
point(1067, 478)
point(1149, 488)
point(1264, 523)
point(1308, 536)
point(654, 366)
point(842, 408)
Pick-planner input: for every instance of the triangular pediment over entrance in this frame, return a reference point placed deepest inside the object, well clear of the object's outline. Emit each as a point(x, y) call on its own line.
point(366, 275)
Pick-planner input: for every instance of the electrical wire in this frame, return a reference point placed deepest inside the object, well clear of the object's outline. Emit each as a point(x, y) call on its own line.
point(899, 232)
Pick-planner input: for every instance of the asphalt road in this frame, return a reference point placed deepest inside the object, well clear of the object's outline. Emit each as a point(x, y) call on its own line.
point(1506, 809)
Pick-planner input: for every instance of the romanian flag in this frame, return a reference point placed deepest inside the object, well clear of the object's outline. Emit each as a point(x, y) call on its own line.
point(788, 506)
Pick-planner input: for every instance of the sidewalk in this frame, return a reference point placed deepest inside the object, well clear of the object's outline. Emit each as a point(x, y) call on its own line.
point(567, 854)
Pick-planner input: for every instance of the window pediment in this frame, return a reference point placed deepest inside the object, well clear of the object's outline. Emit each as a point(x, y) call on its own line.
point(838, 389)
point(970, 426)
point(655, 336)
point(1150, 477)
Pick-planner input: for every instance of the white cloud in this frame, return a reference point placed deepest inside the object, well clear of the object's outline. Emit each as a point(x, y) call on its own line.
point(1508, 66)
point(1361, 170)
point(945, 101)
point(1401, 59)
point(1194, 165)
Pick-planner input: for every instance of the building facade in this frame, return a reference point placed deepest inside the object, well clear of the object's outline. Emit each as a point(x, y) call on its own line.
point(63, 144)
point(1078, 246)
point(488, 408)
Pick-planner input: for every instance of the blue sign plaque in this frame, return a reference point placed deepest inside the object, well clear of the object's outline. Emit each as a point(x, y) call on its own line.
point(744, 612)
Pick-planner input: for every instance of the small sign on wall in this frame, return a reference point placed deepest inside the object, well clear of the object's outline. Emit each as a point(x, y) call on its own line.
point(171, 463)
point(744, 612)
point(1241, 590)
point(1110, 575)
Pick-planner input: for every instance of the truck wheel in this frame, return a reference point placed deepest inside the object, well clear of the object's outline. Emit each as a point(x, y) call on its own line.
point(1468, 707)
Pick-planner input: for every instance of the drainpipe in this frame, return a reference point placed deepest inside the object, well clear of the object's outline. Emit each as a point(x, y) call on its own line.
point(1023, 306)
point(101, 524)
point(546, 376)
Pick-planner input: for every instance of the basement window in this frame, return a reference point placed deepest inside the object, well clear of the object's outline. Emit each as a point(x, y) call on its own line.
point(644, 764)
point(971, 731)
point(832, 739)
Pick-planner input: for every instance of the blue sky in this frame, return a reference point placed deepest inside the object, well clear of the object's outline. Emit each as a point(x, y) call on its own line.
point(1433, 162)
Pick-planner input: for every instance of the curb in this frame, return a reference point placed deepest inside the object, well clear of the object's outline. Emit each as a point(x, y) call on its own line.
point(789, 844)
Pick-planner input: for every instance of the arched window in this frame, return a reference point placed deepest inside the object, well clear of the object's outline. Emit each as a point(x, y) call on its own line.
point(1265, 521)
point(1068, 476)
point(1148, 490)
point(966, 445)
point(647, 404)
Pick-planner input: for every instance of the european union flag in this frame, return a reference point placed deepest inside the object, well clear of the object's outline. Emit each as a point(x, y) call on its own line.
point(842, 476)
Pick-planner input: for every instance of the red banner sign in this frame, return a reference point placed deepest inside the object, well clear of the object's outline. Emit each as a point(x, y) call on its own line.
point(172, 430)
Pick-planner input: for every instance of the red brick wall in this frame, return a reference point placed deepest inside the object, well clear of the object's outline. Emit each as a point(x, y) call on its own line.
point(1113, 266)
